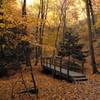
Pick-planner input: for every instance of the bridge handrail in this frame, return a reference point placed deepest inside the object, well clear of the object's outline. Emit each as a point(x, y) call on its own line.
point(57, 61)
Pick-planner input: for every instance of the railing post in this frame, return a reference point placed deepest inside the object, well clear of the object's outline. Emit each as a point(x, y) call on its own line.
point(46, 61)
point(61, 67)
point(83, 67)
point(50, 62)
point(54, 67)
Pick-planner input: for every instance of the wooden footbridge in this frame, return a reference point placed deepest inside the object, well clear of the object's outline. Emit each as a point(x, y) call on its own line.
point(57, 68)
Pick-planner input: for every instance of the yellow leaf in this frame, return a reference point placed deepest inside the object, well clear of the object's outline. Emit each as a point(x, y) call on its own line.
point(2, 25)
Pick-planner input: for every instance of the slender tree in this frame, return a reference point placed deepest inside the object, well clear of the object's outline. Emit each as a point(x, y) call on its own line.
point(24, 13)
point(1, 15)
point(90, 22)
point(2, 28)
point(43, 16)
point(24, 8)
point(92, 12)
point(62, 19)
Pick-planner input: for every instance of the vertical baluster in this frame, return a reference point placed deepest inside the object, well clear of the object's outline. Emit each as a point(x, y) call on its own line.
point(54, 66)
point(50, 62)
point(61, 68)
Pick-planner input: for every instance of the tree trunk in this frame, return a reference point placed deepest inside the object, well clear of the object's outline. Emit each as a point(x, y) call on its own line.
point(41, 27)
point(24, 8)
point(43, 16)
point(91, 11)
point(92, 18)
point(89, 20)
point(24, 27)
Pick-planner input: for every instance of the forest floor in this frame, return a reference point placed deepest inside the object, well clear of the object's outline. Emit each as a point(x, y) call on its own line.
point(51, 88)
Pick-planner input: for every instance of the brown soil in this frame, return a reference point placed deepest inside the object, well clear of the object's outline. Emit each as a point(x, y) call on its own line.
point(52, 89)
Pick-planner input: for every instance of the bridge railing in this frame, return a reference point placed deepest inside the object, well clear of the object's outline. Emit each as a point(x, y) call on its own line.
point(59, 62)
point(46, 61)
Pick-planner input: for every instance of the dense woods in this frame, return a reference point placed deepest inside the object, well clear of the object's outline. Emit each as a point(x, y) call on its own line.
point(45, 38)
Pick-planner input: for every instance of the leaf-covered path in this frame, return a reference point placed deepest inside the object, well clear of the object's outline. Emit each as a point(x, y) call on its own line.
point(54, 89)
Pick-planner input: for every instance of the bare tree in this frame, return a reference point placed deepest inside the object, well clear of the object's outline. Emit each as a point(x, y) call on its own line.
point(24, 8)
point(24, 13)
point(62, 19)
point(90, 25)
point(42, 15)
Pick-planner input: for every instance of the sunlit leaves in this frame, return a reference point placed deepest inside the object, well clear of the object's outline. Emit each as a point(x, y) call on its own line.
point(98, 21)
